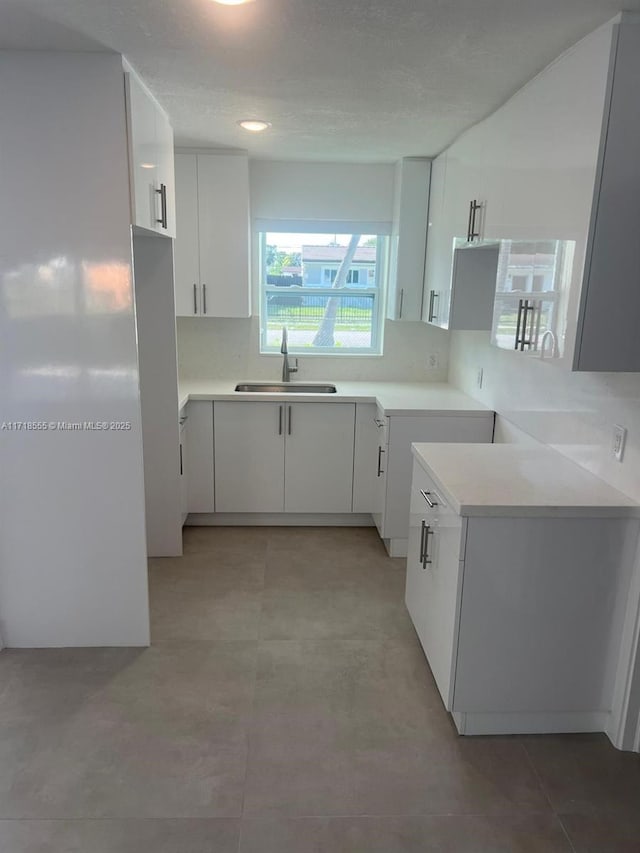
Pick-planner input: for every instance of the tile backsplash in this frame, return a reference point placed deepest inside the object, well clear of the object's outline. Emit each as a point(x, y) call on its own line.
point(217, 348)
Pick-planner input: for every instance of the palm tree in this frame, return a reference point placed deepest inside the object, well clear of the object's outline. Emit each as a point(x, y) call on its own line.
point(324, 336)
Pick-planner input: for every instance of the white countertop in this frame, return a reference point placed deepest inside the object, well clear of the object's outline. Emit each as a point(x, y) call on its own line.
point(518, 480)
point(394, 398)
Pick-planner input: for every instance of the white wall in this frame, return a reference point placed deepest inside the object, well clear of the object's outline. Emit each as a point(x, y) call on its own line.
point(226, 348)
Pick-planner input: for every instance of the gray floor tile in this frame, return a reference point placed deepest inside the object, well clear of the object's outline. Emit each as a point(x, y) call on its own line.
point(344, 541)
point(603, 833)
point(468, 776)
point(167, 736)
point(117, 836)
point(445, 834)
point(333, 613)
point(586, 774)
point(241, 540)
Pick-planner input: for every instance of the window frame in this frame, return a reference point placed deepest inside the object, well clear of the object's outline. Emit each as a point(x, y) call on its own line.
point(378, 291)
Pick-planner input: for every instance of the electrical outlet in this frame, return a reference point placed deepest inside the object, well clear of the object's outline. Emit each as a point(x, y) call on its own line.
point(433, 361)
point(480, 377)
point(619, 439)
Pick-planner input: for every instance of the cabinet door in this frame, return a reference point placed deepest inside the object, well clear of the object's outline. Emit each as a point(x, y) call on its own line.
point(408, 242)
point(319, 457)
point(143, 154)
point(475, 270)
point(199, 456)
point(166, 173)
point(187, 247)
point(439, 242)
point(223, 228)
point(365, 449)
point(434, 579)
point(249, 456)
point(184, 482)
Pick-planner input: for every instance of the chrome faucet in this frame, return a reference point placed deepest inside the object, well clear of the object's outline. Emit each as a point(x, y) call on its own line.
point(287, 370)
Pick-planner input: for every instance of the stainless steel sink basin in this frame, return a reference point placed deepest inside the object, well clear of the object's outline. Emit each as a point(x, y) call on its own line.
point(285, 388)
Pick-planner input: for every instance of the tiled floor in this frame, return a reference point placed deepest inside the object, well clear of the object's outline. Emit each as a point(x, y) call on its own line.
point(285, 707)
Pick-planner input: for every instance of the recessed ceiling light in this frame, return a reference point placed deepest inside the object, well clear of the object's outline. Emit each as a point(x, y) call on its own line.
point(254, 125)
point(232, 2)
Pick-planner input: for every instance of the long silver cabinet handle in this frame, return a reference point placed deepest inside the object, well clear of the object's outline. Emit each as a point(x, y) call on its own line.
point(380, 452)
point(195, 298)
point(425, 554)
point(289, 426)
point(280, 408)
point(424, 526)
point(401, 302)
point(427, 497)
point(204, 298)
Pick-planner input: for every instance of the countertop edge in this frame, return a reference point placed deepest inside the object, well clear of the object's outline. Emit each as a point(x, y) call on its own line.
point(466, 510)
point(476, 410)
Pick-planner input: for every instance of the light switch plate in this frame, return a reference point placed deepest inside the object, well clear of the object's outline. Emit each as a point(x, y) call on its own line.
point(619, 439)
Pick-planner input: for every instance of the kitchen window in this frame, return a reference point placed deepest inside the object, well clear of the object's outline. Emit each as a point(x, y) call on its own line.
point(325, 288)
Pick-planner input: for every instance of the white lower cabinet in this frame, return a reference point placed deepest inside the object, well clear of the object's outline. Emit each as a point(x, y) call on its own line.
point(392, 463)
point(284, 457)
point(198, 456)
point(184, 490)
point(520, 618)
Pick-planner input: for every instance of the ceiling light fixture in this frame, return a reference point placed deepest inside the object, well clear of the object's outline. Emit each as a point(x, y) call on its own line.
point(232, 2)
point(254, 125)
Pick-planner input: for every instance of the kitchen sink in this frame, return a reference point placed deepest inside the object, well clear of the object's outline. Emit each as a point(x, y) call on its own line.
point(285, 388)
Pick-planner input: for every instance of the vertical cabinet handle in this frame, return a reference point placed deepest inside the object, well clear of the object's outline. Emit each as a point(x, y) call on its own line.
point(280, 408)
point(204, 298)
point(195, 299)
point(380, 452)
point(401, 302)
point(289, 424)
point(434, 294)
point(424, 525)
point(162, 192)
point(524, 307)
point(472, 233)
point(427, 532)
point(181, 469)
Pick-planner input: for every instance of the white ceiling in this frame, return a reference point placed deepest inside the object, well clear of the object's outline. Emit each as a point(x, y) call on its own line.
point(366, 80)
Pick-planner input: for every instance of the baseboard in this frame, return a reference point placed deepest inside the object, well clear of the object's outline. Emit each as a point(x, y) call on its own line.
point(530, 723)
point(396, 547)
point(278, 519)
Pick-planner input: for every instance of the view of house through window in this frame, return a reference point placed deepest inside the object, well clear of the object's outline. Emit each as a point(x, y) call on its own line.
point(325, 288)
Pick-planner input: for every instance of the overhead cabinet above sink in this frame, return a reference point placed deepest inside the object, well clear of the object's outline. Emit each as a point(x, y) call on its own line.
point(212, 239)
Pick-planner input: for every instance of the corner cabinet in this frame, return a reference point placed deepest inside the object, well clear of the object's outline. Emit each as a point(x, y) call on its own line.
point(516, 617)
point(392, 463)
point(151, 162)
point(274, 457)
point(408, 238)
point(212, 240)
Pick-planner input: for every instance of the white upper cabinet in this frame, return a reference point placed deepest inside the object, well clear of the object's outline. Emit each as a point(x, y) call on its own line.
point(151, 161)
point(408, 239)
point(607, 335)
point(458, 295)
point(212, 241)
